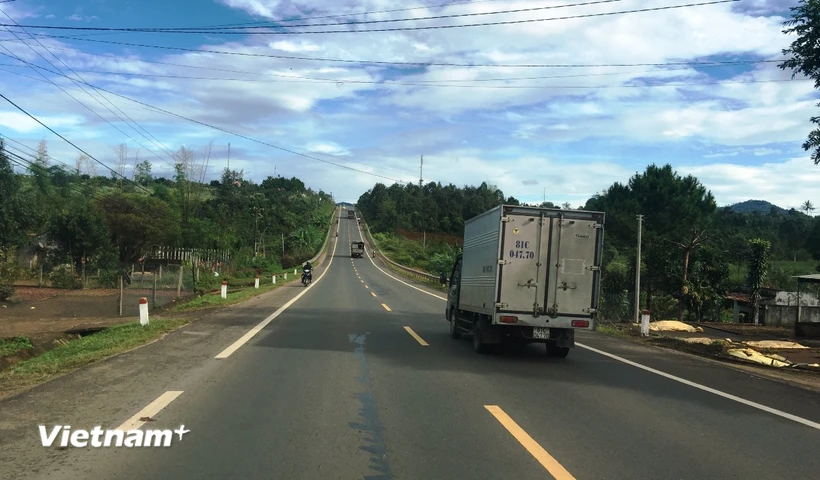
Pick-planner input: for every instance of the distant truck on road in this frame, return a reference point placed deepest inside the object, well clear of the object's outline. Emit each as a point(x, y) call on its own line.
point(356, 249)
point(527, 275)
point(351, 214)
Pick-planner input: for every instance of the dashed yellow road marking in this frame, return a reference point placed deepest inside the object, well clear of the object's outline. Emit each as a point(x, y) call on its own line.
point(545, 459)
point(416, 336)
point(386, 307)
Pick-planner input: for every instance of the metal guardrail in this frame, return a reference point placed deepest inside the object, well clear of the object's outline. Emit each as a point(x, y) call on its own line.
point(327, 237)
point(411, 271)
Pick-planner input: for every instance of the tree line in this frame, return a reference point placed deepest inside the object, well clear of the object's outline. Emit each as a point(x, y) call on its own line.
point(108, 223)
point(693, 252)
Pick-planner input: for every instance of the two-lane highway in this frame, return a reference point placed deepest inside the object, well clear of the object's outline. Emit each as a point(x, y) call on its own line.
point(358, 378)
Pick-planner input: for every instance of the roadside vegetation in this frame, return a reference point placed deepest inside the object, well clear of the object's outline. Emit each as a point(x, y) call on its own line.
point(693, 252)
point(13, 346)
point(76, 353)
point(67, 226)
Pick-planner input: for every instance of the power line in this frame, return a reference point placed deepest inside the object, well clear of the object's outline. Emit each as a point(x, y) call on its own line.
point(229, 132)
point(227, 30)
point(39, 170)
point(431, 27)
point(354, 14)
point(65, 139)
point(417, 64)
point(343, 80)
point(152, 139)
point(70, 95)
point(710, 64)
point(445, 85)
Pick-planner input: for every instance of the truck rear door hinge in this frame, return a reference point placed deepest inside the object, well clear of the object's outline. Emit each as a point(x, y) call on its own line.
point(507, 219)
point(503, 262)
point(594, 268)
point(597, 225)
point(590, 310)
point(500, 305)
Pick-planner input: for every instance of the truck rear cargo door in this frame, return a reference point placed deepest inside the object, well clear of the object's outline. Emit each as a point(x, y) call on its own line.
point(574, 267)
point(519, 289)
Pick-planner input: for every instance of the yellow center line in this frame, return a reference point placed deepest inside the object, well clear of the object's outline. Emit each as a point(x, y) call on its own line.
point(373, 293)
point(386, 307)
point(545, 459)
point(416, 336)
point(362, 281)
point(366, 287)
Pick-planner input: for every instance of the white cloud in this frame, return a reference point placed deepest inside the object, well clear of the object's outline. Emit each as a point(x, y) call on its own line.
point(383, 128)
point(21, 123)
point(786, 184)
point(765, 151)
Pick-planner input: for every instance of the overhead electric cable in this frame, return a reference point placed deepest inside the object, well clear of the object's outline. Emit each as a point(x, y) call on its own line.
point(92, 157)
point(152, 139)
point(221, 29)
point(431, 27)
point(422, 64)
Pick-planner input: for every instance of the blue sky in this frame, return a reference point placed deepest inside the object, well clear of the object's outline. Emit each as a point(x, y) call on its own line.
point(569, 131)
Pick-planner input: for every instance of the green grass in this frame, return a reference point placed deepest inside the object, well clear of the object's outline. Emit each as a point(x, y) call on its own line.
point(14, 345)
point(435, 285)
point(88, 349)
point(211, 300)
point(715, 349)
point(611, 330)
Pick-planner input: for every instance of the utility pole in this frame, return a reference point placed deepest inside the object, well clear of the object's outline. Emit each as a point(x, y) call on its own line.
point(638, 273)
point(229, 156)
point(421, 171)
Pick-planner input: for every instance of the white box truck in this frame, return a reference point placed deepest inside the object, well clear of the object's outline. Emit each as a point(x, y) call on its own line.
point(526, 275)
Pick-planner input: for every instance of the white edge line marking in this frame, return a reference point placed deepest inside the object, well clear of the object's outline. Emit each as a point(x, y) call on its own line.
point(690, 383)
point(394, 278)
point(152, 409)
point(244, 339)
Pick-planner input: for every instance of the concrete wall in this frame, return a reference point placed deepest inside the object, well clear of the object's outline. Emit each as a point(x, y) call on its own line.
point(784, 316)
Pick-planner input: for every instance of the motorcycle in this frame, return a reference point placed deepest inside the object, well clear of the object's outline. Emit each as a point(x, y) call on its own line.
point(307, 276)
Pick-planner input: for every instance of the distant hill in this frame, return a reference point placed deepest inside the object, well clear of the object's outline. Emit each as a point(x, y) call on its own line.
point(760, 206)
point(344, 204)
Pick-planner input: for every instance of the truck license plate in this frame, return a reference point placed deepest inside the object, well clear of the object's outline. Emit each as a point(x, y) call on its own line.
point(540, 332)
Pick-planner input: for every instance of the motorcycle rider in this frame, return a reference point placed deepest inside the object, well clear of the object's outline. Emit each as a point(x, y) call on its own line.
point(307, 270)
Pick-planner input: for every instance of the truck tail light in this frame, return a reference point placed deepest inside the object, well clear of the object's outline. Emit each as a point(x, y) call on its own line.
point(508, 319)
point(580, 323)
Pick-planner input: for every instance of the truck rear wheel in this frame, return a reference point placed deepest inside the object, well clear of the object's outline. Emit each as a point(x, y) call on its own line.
point(478, 345)
point(557, 352)
point(454, 331)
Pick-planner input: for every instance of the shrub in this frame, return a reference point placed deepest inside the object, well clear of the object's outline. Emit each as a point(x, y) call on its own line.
point(63, 277)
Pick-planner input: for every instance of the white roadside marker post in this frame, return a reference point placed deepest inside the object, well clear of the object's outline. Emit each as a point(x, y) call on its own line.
point(645, 323)
point(143, 311)
point(224, 289)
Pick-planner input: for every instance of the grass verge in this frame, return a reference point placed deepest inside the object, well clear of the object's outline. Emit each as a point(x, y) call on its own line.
point(85, 350)
point(12, 346)
point(410, 276)
point(712, 350)
point(612, 330)
point(211, 300)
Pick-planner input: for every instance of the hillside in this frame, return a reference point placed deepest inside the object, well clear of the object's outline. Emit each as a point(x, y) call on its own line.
point(760, 206)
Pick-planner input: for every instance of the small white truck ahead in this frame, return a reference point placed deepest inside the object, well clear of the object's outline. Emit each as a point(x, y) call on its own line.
point(527, 275)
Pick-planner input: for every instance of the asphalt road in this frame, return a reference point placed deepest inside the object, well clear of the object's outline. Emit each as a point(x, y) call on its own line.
point(358, 378)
